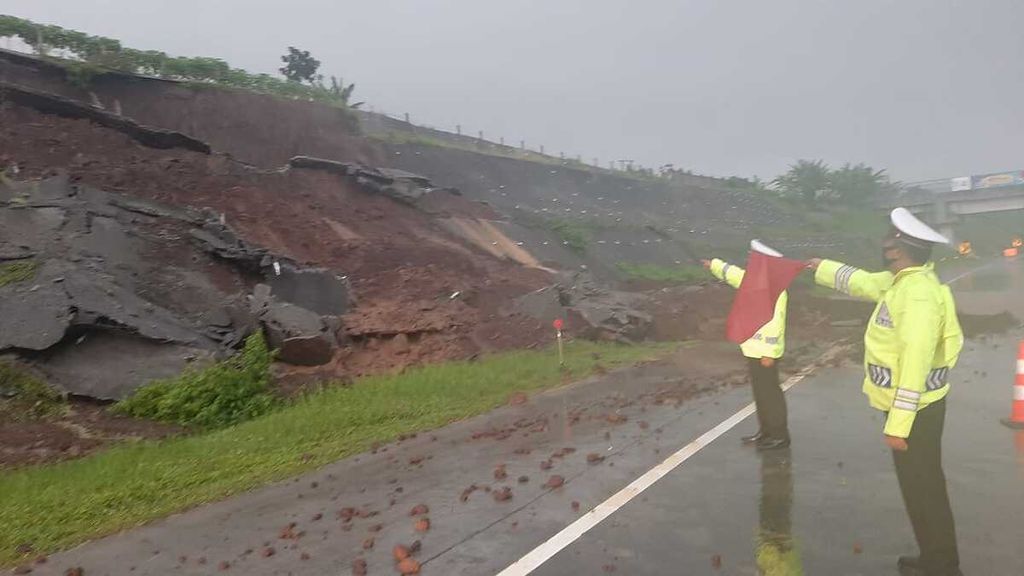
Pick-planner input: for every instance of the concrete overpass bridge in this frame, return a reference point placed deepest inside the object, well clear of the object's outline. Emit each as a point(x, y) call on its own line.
point(945, 209)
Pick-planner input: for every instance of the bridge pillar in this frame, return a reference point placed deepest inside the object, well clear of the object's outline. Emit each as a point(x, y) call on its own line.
point(943, 220)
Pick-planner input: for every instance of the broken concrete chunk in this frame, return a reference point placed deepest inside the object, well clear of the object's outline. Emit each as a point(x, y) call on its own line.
point(592, 311)
point(300, 336)
point(33, 319)
point(316, 289)
point(122, 294)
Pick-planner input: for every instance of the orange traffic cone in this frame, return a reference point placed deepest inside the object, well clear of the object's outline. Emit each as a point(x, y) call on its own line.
point(1016, 419)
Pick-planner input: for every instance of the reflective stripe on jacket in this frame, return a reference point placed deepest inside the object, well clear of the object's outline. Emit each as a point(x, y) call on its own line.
point(912, 341)
point(770, 339)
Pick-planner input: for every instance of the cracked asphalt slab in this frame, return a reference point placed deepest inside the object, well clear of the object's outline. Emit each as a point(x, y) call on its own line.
point(490, 487)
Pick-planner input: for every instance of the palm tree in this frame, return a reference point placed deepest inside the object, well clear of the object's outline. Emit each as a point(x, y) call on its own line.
point(806, 180)
point(859, 184)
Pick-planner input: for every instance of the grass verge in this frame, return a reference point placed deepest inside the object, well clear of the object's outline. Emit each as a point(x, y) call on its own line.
point(29, 397)
point(57, 506)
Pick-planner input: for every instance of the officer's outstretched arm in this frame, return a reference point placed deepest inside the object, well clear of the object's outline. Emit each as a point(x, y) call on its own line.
point(918, 321)
point(853, 281)
point(732, 275)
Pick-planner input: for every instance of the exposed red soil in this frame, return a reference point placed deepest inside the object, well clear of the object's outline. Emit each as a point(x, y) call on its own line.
point(698, 312)
point(234, 121)
point(403, 267)
point(84, 428)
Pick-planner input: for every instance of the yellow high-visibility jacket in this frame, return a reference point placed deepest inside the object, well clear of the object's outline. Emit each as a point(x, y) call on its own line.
point(770, 340)
point(913, 338)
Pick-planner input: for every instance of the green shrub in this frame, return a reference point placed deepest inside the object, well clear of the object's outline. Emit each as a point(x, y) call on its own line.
point(92, 54)
point(575, 235)
point(225, 393)
point(31, 396)
point(684, 274)
point(18, 271)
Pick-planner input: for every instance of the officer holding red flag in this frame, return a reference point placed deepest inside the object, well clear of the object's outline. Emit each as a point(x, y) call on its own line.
point(763, 351)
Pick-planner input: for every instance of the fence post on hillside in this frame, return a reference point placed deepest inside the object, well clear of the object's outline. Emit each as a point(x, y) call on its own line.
point(407, 118)
point(522, 145)
point(501, 140)
point(458, 129)
point(480, 133)
point(542, 149)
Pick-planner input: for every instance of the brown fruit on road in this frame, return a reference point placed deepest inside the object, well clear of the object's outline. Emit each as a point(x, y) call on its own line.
point(419, 509)
point(555, 481)
point(409, 566)
point(500, 473)
point(400, 552)
point(422, 525)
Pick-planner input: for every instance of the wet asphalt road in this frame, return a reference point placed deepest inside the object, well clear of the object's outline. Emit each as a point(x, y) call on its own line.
point(829, 505)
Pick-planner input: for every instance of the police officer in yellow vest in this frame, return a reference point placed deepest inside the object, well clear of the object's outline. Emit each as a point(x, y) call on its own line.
point(912, 342)
point(763, 351)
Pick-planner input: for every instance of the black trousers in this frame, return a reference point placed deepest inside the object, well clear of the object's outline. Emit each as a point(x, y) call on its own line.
point(923, 485)
point(769, 399)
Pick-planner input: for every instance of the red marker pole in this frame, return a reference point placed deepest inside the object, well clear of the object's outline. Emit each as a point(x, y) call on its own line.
point(558, 336)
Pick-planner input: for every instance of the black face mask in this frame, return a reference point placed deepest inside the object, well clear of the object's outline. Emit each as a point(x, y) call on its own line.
point(887, 262)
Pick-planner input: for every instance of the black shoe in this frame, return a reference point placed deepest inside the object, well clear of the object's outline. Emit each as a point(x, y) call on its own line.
point(767, 443)
point(922, 572)
point(911, 566)
point(753, 438)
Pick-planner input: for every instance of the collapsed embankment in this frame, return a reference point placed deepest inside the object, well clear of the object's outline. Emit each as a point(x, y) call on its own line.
point(564, 213)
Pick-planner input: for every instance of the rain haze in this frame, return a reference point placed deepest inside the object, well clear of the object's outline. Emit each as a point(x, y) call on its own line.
point(924, 88)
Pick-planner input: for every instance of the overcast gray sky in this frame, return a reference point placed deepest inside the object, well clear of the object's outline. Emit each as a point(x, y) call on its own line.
point(925, 88)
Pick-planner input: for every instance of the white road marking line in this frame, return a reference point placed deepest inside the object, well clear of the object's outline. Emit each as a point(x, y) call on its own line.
point(541, 554)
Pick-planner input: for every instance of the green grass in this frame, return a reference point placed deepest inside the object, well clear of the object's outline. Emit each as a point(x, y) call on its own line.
point(576, 235)
point(225, 393)
point(17, 271)
point(57, 506)
point(30, 397)
point(430, 137)
point(683, 274)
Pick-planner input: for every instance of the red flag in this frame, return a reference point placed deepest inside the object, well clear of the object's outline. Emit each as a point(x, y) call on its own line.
point(765, 279)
